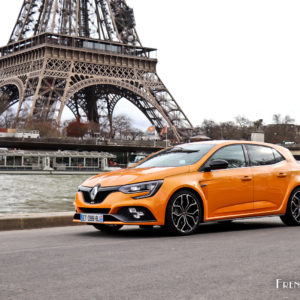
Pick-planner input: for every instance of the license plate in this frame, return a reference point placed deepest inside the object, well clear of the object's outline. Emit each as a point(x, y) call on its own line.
point(91, 218)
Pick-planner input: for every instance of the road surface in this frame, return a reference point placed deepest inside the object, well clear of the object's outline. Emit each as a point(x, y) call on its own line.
point(241, 260)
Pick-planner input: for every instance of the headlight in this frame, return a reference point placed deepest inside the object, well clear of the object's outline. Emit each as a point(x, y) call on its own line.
point(150, 187)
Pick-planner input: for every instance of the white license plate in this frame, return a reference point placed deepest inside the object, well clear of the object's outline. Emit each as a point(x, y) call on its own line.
point(91, 218)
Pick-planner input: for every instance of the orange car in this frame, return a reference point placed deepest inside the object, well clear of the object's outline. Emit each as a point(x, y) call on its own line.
point(183, 186)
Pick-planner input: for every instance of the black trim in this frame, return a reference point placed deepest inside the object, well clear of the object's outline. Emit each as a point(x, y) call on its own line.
point(103, 192)
point(247, 158)
point(119, 218)
point(94, 210)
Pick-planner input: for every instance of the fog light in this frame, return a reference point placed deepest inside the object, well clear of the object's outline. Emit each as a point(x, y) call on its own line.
point(136, 214)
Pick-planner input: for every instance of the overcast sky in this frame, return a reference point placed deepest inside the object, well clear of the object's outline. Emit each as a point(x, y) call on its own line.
point(219, 58)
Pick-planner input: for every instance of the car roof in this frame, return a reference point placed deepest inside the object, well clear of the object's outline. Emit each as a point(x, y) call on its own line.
point(229, 142)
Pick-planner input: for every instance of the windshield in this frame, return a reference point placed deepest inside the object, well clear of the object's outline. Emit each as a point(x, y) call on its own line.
point(139, 158)
point(178, 156)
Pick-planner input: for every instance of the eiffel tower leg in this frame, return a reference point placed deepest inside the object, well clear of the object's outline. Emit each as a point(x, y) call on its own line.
point(170, 110)
point(110, 120)
point(11, 92)
point(91, 98)
point(19, 108)
point(112, 100)
point(20, 103)
point(37, 91)
point(63, 103)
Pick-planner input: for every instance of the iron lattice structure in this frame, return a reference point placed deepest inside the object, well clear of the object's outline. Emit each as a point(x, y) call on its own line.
point(86, 55)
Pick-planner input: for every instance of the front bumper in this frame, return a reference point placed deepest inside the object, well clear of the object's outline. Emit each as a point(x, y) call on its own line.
point(114, 209)
point(125, 215)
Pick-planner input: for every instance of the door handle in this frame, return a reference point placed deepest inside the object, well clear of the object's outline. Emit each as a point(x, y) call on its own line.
point(281, 174)
point(246, 178)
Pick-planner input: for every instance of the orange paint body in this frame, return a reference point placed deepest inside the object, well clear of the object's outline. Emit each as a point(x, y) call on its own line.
point(224, 194)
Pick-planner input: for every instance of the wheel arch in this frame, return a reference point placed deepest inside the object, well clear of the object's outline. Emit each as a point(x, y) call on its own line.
point(287, 198)
point(194, 191)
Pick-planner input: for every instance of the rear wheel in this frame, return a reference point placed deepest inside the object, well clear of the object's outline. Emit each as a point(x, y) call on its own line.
point(183, 213)
point(292, 214)
point(107, 228)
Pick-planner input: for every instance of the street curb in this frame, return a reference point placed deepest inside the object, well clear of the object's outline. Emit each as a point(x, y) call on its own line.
point(36, 220)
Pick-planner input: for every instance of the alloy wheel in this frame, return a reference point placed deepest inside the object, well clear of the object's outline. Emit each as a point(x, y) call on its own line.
point(185, 212)
point(295, 207)
point(292, 214)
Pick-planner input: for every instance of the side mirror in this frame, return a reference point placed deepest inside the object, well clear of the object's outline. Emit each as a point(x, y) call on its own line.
point(217, 164)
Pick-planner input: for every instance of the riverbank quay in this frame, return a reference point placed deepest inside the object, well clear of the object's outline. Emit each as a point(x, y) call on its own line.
point(35, 220)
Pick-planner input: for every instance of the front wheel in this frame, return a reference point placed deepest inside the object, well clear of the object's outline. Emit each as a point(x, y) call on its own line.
point(183, 214)
point(292, 214)
point(107, 228)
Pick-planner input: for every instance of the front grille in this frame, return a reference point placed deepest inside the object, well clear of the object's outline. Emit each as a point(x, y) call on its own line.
point(94, 210)
point(86, 196)
point(101, 195)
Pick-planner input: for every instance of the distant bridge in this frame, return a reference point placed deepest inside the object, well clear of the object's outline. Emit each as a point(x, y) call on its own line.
point(113, 146)
point(121, 148)
point(82, 145)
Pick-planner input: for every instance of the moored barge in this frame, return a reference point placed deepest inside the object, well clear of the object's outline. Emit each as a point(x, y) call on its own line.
point(53, 162)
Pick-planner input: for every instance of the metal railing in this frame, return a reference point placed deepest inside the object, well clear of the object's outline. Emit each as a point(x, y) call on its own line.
point(91, 141)
point(78, 43)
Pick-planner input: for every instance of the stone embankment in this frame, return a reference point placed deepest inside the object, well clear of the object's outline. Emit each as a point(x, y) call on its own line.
point(37, 220)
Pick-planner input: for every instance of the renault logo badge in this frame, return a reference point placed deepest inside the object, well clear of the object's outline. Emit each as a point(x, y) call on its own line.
point(94, 192)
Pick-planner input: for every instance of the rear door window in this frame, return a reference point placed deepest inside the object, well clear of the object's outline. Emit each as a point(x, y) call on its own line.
point(262, 155)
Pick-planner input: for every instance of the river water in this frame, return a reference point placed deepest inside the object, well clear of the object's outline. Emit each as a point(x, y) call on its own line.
point(38, 193)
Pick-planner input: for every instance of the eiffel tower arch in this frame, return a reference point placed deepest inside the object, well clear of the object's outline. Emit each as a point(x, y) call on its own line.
point(85, 55)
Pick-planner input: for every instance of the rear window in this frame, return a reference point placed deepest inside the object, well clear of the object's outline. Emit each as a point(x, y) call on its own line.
point(278, 156)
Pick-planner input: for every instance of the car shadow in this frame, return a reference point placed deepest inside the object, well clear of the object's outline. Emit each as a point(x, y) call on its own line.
point(206, 228)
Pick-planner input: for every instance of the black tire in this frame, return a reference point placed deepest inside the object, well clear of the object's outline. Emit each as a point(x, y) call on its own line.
point(107, 228)
point(292, 214)
point(183, 214)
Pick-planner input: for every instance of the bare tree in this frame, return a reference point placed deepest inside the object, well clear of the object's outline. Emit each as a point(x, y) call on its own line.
point(135, 133)
point(282, 130)
point(244, 127)
point(230, 131)
point(122, 126)
point(211, 129)
point(277, 118)
point(46, 128)
point(288, 120)
point(7, 119)
point(242, 121)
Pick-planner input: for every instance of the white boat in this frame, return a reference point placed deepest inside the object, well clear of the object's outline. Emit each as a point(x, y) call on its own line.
point(53, 162)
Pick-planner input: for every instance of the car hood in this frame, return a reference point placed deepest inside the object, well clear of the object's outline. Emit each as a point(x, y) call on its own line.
point(129, 176)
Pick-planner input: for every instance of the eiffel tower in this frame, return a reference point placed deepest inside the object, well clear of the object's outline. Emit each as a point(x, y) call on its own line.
point(86, 55)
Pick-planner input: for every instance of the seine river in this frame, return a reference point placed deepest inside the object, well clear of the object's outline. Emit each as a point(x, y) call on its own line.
point(38, 193)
